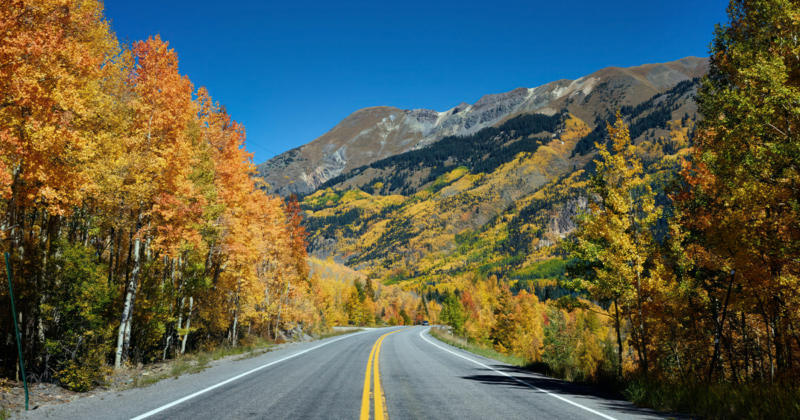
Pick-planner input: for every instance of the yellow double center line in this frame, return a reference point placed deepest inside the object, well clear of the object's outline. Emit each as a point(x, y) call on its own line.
point(376, 394)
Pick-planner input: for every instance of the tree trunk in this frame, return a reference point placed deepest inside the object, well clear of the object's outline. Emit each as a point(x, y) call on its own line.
point(280, 309)
point(746, 346)
point(769, 352)
point(637, 340)
point(236, 314)
point(720, 325)
point(188, 325)
point(642, 331)
point(123, 335)
point(166, 347)
point(233, 330)
point(128, 260)
point(619, 339)
point(168, 330)
point(180, 315)
point(129, 325)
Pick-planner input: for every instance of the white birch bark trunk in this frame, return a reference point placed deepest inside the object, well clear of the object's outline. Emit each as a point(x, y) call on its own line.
point(236, 314)
point(123, 336)
point(233, 330)
point(180, 313)
point(188, 325)
point(164, 356)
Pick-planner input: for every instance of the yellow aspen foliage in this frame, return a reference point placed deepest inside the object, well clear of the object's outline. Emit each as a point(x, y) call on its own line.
point(614, 245)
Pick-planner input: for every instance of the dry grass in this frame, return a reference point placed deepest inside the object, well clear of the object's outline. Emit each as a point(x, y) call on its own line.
point(472, 347)
point(184, 365)
point(195, 363)
point(335, 333)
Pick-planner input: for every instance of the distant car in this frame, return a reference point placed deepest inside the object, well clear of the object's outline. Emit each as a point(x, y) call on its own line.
point(424, 323)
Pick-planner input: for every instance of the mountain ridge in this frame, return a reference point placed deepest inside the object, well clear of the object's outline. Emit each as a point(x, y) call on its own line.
point(374, 133)
point(495, 202)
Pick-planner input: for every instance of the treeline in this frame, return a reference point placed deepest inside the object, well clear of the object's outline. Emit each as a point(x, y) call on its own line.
point(135, 229)
point(689, 288)
point(366, 306)
point(572, 345)
point(717, 298)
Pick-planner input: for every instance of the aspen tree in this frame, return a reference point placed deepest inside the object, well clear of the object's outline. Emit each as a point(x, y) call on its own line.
point(615, 251)
point(740, 212)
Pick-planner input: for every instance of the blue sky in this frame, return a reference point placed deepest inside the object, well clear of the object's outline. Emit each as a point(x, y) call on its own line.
point(291, 70)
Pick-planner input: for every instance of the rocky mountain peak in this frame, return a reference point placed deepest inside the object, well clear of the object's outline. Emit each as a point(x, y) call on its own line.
point(371, 134)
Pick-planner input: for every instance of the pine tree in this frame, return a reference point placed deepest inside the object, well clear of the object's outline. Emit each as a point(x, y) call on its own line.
point(369, 289)
point(453, 313)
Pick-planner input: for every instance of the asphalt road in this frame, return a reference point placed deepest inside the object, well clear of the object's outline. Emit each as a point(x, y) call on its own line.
point(420, 378)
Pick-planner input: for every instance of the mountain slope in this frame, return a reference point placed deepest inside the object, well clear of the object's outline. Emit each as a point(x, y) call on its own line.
point(372, 134)
point(493, 202)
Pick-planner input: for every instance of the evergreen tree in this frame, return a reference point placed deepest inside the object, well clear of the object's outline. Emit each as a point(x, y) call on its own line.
point(369, 290)
point(453, 313)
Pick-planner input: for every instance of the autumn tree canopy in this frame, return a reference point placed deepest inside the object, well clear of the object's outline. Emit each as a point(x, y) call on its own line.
point(131, 210)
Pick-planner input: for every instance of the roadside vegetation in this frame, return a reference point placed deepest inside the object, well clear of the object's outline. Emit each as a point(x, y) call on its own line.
point(709, 401)
point(197, 362)
point(446, 336)
point(136, 228)
point(336, 333)
point(681, 287)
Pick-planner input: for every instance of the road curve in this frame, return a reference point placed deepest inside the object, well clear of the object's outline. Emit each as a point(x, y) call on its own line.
point(420, 378)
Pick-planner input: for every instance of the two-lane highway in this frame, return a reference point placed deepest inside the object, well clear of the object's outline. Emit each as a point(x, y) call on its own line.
point(399, 373)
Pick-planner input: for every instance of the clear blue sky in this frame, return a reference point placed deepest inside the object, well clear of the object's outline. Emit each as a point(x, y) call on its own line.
point(291, 70)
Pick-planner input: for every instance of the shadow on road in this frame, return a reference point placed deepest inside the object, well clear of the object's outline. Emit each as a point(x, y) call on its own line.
point(607, 402)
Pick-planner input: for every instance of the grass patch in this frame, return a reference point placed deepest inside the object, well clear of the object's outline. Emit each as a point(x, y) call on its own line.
point(185, 365)
point(472, 347)
point(190, 364)
point(335, 333)
point(719, 400)
point(249, 346)
point(258, 351)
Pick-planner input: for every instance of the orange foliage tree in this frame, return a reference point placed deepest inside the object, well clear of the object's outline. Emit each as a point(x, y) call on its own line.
point(131, 207)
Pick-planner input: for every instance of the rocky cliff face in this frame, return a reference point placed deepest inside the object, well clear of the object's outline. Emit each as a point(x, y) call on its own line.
point(372, 134)
point(563, 221)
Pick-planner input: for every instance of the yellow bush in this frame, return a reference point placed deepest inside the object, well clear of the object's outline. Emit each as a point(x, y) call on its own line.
point(82, 377)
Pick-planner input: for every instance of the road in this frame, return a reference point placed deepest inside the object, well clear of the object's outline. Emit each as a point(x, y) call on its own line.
point(419, 377)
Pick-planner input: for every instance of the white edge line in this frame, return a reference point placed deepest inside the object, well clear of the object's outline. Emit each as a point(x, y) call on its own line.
point(189, 397)
point(518, 380)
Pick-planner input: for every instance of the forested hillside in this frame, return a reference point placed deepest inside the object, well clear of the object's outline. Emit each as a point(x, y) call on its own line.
point(482, 227)
point(494, 202)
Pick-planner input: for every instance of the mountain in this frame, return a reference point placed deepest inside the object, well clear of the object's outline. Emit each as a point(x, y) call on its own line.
point(372, 134)
point(497, 202)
